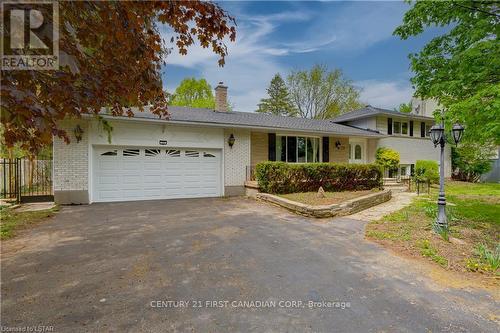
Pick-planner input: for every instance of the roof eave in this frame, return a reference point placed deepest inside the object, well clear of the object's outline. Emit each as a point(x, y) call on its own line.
point(227, 125)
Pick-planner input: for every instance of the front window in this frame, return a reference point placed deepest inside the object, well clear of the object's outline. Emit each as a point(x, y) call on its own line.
point(301, 149)
point(397, 127)
point(294, 149)
point(404, 128)
point(400, 128)
point(427, 130)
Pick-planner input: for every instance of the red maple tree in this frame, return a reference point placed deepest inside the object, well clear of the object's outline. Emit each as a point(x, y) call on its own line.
point(111, 54)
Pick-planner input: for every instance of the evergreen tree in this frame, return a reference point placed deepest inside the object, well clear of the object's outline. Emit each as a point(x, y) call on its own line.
point(279, 102)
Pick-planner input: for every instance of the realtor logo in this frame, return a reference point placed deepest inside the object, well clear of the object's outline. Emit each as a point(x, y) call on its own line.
point(30, 35)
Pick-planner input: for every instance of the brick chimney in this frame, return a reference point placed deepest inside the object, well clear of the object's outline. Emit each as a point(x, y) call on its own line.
point(221, 97)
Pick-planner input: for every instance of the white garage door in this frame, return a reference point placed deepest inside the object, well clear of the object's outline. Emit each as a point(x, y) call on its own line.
point(123, 174)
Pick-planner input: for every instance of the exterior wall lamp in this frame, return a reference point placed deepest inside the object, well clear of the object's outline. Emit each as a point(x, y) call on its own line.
point(337, 144)
point(438, 137)
point(78, 132)
point(231, 140)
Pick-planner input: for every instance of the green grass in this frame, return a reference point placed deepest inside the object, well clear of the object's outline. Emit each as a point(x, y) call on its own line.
point(427, 250)
point(487, 257)
point(12, 221)
point(472, 241)
point(481, 189)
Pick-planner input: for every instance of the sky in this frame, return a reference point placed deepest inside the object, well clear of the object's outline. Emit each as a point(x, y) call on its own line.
point(278, 37)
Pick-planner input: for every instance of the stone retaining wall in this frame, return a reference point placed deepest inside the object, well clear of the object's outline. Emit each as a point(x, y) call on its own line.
point(345, 208)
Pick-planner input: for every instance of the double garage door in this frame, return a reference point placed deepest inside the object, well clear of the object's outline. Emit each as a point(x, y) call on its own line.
point(131, 173)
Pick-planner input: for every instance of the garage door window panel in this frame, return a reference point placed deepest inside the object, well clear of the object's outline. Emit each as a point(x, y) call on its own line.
point(192, 153)
point(131, 152)
point(110, 153)
point(173, 153)
point(152, 152)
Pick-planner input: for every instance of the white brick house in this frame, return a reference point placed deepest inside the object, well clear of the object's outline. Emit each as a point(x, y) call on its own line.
point(191, 155)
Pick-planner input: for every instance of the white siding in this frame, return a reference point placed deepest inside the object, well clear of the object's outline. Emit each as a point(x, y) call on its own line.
point(129, 133)
point(381, 124)
point(365, 123)
point(413, 149)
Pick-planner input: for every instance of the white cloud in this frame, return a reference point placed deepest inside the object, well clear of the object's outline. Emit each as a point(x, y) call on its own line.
point(251, 62)
point(255, 57)
point(385, 94)
point(358, 26)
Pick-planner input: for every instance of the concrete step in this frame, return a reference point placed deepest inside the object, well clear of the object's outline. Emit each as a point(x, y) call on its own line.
point(395, 187)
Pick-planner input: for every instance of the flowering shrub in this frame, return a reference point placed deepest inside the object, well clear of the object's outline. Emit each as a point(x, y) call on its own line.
point(387, 158)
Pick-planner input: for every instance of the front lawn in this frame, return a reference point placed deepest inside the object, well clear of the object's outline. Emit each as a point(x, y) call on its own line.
point(474, 219)
point(311, 198)
point(12, 221)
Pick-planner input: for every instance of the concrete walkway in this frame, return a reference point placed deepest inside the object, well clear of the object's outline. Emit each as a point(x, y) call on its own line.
point(398, 201)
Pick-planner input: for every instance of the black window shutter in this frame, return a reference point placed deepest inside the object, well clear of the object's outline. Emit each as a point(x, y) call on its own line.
point(422, 129)
point(412, 169)
point(411, 127)
point(389, 126)
point(326, 149)
point(272, 146)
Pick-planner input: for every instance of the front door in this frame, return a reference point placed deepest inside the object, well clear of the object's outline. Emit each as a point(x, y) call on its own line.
point(357, 151)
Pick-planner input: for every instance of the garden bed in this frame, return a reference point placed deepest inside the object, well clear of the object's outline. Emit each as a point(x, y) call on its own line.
point(346, 203)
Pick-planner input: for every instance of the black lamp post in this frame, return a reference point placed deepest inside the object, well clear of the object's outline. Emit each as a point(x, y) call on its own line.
point(438, 137)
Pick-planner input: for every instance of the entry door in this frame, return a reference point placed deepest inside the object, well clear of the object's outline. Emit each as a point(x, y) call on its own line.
point(357, 151)
point(131, 173)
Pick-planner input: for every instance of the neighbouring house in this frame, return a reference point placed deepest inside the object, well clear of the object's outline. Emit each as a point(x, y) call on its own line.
point(210, 153)
point(493, 176)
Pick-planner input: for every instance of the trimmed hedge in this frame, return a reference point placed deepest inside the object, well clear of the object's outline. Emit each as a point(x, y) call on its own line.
point(281, 177)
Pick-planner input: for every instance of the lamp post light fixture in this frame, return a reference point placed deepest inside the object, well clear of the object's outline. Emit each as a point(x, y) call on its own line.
point(438, 137)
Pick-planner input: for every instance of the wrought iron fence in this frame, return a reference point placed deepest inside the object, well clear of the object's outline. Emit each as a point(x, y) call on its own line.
point(26, 180)
point(9, 187)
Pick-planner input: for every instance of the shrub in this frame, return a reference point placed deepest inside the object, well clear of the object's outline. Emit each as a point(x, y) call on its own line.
point(387, 158)
point(281, 177)
point(470, 160)
point(427, 171)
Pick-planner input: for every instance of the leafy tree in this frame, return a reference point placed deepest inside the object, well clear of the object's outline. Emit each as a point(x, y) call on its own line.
point(471, 160)
point(279, 101)
point(387, 158)
point(404, 108)
point(194, 93)
point(460, 68)
point(322, 94)
point(111, 54)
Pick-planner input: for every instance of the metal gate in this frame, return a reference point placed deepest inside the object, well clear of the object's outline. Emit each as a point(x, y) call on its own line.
point(9, 186)
point(26, 180)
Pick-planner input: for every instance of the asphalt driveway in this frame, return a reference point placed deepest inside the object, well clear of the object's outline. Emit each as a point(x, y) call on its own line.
point(116, 267)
